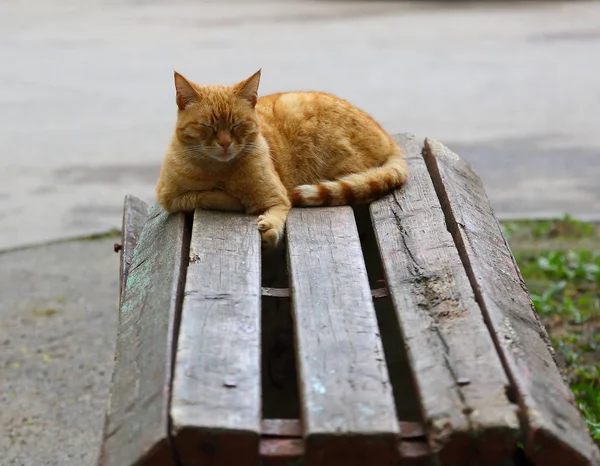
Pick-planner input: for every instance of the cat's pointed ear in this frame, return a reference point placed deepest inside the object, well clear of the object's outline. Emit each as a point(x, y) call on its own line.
point(248, 88)
point(186, 94)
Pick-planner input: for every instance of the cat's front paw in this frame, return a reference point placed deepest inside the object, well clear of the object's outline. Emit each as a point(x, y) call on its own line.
point(271, 230)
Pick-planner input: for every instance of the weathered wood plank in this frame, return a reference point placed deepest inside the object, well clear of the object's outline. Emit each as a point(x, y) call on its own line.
point(458, 373)
point(556, 433)
point(136, 430)
point(281, 452)
point(285, 292)
point(216, 400)
point(135, 213)
point(281, 428)
point(346, 398)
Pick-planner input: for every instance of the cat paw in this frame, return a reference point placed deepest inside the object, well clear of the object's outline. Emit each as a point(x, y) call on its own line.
point(270, 231)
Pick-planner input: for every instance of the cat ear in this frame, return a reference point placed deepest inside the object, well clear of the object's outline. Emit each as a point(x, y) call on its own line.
point(248, 88)
point(186, 94)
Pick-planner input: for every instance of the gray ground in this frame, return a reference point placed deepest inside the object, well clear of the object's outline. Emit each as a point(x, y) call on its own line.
point(58, 317)
point(86, 103)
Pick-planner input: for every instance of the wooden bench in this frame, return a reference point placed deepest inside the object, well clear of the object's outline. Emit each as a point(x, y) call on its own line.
point(396, 333)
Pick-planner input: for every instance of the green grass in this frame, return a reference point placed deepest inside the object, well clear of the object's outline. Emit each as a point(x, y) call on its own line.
point(566, 227)
point(560, 262)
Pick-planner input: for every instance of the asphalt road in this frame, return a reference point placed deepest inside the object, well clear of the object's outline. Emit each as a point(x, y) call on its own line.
point(86, 92)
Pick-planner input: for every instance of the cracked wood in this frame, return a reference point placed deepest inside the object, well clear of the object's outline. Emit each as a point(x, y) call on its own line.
point(216, 402)
point(443, 329)
point(556, 432)
point(346, 399)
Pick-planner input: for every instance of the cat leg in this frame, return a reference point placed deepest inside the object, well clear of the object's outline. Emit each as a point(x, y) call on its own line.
point(272, 206)
point(215, 199)
point(271, 223)
point(256, 183)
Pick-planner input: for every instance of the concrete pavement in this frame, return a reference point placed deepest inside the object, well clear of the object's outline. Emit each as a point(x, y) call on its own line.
point(58, 318)
point(86, 92)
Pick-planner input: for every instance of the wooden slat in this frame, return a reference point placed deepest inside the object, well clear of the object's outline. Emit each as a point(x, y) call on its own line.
point(458, 374)
point(346, 398)
point(293, 428)
point(275, 292)
point(281, 428)
point(216, 402)
point(135, 213)
point(285, 292)
point(281, 452)
point(282, 445)
point(137, 420)
point(556, 433)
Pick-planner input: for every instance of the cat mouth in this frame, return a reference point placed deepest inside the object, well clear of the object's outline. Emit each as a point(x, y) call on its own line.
point(223, 156)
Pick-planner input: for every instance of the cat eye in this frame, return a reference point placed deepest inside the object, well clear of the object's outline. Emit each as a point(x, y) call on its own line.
point(237, 125)
point(208, 126)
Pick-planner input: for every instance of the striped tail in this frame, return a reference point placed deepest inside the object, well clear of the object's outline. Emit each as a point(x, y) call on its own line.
point(356, 188)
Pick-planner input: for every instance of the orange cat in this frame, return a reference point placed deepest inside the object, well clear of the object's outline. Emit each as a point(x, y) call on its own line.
point(233, 151)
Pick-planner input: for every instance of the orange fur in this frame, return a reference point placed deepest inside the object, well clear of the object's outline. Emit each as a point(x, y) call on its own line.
point(234, 151)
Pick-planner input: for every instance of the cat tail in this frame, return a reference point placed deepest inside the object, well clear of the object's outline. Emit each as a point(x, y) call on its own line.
point(357, 187)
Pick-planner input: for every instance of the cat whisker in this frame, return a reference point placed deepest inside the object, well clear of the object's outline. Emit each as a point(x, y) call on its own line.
point(249, 146)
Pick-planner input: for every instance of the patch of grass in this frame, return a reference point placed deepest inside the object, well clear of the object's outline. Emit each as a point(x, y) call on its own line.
point(566, 227)
point(564, 284)
point(98, 236)
point(45, 312)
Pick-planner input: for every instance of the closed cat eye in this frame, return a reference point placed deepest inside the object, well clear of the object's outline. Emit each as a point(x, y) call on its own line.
point(237, 125)
point(208, 126)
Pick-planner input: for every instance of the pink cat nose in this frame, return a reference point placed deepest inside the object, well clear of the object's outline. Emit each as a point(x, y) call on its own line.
point(225, 145)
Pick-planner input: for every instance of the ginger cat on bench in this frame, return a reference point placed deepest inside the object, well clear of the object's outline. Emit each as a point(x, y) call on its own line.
point(233, 151)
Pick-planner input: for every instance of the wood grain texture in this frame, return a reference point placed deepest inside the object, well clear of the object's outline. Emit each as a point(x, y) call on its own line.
point(135, 213)
point(346, 398)
point(458, 373)
point(381, 292)
point(137, 418)
point(216, 397)
point(556, 433)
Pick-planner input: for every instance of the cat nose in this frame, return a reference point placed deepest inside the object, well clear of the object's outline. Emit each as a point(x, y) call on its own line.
point(225, 145)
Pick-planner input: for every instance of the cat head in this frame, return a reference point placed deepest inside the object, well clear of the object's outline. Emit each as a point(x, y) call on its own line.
point(218, 122)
